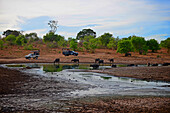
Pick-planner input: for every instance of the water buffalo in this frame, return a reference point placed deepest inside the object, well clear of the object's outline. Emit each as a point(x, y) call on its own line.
point(111, 60)
point(95, 66)
point(114, 65)
point(97, 60)
point(101, 61)
point(57, 60)
point(148, 64)
point(129, 65)
point(128, 54)
point(75, 60)
point(155, 64)
point(165, 64)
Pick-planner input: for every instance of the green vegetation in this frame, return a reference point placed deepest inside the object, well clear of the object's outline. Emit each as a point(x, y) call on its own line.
point(16, 65)
point(124, 46)
point(73, 44)
point(166, 44)
point(52, 68)
point(85, 32)
point(153, 45)
point(85, 40)
point(1, 44)
point(139, 44)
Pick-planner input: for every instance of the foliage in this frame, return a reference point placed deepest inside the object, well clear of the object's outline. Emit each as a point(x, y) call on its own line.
point(10, 39)
point(20, 40)
point(85, 32)
point(62, 42)
point(11, 32)
point(89, 43)
point(32, 37)
point(153, 45)
point(73, 44)
point(28, 47)
point(139, 44)
point(1, 44)
point(104, 39)
point(166, 44)
point(52, 44)
point(113, 43)
point(124, 46)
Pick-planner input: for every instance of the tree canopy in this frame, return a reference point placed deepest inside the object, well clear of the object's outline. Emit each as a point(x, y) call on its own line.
point(166, 44)
point(85, 32)
point(124, 46)
point(139, 44)
point(11, 32)
point(153, 45)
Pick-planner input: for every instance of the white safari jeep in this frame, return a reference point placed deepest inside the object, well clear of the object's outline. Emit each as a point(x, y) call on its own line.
point(33, 55)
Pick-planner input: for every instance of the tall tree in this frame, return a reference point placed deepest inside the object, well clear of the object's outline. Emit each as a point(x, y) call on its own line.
point(73, 44)
point(20, 40)
point(166, 44)
point(31, 37)
point(139, 44)
point(153, 45)
point(11, 32)
point(85, 32)
point(105, 38)
point(124, 46)
point(10, 39)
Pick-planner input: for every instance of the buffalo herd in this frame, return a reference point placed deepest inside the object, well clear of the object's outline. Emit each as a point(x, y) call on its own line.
point(98, 62)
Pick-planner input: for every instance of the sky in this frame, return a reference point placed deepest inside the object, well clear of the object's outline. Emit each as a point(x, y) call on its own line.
point(123, 18)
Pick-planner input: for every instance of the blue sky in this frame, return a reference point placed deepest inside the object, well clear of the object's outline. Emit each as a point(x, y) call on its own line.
point(147, 18)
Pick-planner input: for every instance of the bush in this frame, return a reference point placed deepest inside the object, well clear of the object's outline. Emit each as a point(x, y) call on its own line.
point(10, 39)
point(52, 44)
point(1, 44)
point(28, 47)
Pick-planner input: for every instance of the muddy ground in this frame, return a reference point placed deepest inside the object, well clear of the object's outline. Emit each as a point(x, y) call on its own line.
point(161, 73)
point(29, 93)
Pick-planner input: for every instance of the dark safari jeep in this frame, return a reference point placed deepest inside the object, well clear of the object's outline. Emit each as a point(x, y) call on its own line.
point(34, 55)
point(67, 52)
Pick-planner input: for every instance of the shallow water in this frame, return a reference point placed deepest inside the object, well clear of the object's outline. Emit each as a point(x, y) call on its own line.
point(100, 84)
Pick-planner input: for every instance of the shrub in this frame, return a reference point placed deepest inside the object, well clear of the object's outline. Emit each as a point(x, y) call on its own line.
point(1, 44)
point(28, 47)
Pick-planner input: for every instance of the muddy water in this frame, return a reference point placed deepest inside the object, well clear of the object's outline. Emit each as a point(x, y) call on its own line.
point(97, 83)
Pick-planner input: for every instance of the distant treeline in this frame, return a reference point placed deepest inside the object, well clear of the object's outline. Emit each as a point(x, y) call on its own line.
point(85, 40)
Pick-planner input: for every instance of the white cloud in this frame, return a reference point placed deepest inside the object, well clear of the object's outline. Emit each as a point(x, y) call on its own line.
point(158, 37)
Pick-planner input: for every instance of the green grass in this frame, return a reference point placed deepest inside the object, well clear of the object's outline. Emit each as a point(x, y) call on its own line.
point(16, 65)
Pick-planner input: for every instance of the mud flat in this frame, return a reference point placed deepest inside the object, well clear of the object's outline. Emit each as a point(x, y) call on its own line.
point(33, 93)
point(161, 73)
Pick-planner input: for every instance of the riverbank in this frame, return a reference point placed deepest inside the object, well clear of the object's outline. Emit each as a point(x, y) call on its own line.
point(161, 73)
point(28, 93)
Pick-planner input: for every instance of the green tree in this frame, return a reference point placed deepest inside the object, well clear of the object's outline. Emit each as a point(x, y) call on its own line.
point(73, 44)
point(85, 32)
point(32, 37)
point(153, 45)
point(11, 32)
point(10, 39)
point(92, 45)
point(1, 44)
point(113, 43)
point(20, 40)
point(139, 44)
point(105, 39)
point(166, 44)
point(124, 46)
